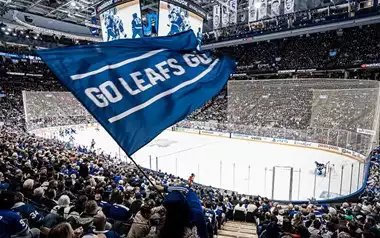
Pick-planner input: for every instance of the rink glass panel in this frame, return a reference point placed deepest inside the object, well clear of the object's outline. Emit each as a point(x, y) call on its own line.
point(321, 111)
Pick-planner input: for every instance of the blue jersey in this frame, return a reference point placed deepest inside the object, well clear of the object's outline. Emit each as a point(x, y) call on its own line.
point(210, 215)
point(119, 212)
point(176, 19)
point(136, 24)
point(12, 225)
point(27, 211)
point(110, 24)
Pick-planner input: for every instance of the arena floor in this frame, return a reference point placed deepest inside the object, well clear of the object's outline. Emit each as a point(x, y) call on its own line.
point(182, 154)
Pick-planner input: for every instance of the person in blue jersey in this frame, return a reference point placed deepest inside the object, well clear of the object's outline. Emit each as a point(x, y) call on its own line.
point(137, 28)
point(153, 23)
point(175, 19)
point(179, 220)
point(119, 27)
point(103, 204)
point(110, 26)
point(26, 211)
point(211, 221)
point(11, 223)
point(118, 211)
point(185, 21)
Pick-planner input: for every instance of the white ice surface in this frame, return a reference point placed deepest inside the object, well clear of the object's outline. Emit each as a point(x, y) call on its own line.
point(182, 154)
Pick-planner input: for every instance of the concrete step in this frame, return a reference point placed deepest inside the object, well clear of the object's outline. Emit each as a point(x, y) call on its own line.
point(235, 234)
point(234, 229)
point(246, 226)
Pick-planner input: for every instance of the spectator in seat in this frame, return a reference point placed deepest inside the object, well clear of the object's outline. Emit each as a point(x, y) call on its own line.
point(117, 210)
point(177, 223)
point(64, 230)
point(140, 226)
point(314, 229)
point(240, 207)
point(83, 169)
point(11, 223)
point(211, 222)
point(63, 208)
point(136, 204)
point(38, 196)
point(27, 211)
point(99, 230)
point(50, 201)
point(27, 188)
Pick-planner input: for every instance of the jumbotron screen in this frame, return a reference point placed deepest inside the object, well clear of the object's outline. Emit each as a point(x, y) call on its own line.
point(122, 22)
point(174, 19)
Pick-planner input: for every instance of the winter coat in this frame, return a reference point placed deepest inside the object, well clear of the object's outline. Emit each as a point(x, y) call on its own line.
point(140, 227)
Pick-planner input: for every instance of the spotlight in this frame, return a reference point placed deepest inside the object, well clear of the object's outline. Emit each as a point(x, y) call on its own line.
point(73, 4)
point(27, 36)
point(22, 32)
point(9, 29)
point(35, 37)
point(3, 28)
point(14, 34)
point(7, 33)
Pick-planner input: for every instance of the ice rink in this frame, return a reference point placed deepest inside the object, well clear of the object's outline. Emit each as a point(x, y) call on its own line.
point(243, 166)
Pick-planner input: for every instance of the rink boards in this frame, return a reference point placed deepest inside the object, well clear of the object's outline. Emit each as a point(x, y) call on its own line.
point(45, 132)
point(311, 145)
point(181, 153)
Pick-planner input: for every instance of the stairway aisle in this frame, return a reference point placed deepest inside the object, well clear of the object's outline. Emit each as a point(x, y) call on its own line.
point(235, 229)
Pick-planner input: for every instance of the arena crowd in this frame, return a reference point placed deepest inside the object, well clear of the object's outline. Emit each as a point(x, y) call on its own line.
point(325, 50)
point(50, 190)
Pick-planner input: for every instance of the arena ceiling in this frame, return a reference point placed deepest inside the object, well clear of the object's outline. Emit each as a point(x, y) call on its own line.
point(75, 11)
point(81, 11)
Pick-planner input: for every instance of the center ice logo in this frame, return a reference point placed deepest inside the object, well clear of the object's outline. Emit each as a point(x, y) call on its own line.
point(162, 143)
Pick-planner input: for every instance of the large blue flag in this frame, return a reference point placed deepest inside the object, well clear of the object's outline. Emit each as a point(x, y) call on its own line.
point(137, 88)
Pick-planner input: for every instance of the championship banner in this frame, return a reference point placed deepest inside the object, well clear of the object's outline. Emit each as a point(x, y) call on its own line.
point(263, 9)
point(252, 11)
point(216, 17)
point(288, 6)
point(233, 11)
point(275, 8)
point(225, 16)
point(136, 88)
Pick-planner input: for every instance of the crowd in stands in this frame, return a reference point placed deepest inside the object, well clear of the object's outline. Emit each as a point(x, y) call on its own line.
point(50, 190)
point(47, 189)
point(347, 48)
point(322, 111)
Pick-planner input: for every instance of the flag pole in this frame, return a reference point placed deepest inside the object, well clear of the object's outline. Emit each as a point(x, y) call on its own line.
point(145, 175)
